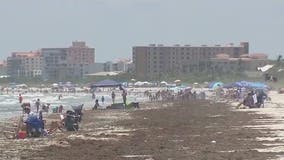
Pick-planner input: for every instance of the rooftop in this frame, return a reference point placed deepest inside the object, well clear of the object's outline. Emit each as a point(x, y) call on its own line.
point(26, 54)
point(241, 44)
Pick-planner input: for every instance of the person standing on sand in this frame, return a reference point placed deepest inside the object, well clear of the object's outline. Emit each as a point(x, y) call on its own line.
point(60, 96)
point(20, 98)
point(103, 99)
point(37, 105)
point(96, 104)
point(113, 96)
point(218, 91)
point(93, 95)
point(124, 94)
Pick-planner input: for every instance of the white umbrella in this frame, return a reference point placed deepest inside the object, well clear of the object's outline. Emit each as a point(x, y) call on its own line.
point(177, 81)
point(55, 85)
point(163, 82)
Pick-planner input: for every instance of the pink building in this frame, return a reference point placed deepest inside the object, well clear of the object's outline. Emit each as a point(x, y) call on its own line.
point(24, 64)
point(79, 53)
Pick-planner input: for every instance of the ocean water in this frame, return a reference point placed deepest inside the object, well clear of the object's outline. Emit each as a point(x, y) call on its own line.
point(10, 106)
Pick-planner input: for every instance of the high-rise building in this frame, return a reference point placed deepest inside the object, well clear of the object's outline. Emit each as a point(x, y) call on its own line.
point(155, 60)
point(24, 64)
point(3, 68)
point(54, 63)
point(72, 62)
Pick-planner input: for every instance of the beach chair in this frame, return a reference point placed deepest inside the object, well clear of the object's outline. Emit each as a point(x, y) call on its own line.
point(78, 111)
point(71, 121)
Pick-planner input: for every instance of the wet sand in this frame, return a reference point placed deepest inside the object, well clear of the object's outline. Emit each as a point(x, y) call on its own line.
point(193, 130)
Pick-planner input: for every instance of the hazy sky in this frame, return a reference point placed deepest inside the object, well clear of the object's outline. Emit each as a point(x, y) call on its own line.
point(114, 26)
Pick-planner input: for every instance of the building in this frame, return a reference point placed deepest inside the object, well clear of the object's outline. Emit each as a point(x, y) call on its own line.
point(95, 68)
point(155, 60)
point(110, 67)
point(24, 64)
point(3, 68)
point(223, 63)
point(122, 65)
point(64, 63)
point(54, 65)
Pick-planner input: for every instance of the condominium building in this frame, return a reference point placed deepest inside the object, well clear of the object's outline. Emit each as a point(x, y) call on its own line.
point(223, 63)
point(54, 63)
point(24, 64)
point(122, 65)
point(72, 62)
point(3, 68)
point(155, 60)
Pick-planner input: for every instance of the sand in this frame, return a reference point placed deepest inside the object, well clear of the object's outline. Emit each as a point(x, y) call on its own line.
point(189, 130)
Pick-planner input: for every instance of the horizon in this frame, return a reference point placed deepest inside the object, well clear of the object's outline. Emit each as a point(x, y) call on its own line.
point(113, 27)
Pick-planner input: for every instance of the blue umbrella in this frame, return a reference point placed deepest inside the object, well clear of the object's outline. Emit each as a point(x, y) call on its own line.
point(215, 84)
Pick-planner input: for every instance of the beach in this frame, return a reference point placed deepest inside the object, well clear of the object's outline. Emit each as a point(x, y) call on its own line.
point(194, 129)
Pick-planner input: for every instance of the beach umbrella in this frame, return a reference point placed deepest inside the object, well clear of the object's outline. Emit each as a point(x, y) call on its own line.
point(164, 82)
point(138, 83)
point(54, 85)
point(230, 85)
point(177, 81)
point(215, 84)
point(258, 85)
point(210, 85)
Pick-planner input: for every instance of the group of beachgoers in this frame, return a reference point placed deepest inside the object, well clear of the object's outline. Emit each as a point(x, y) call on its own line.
point(40, 90)
point(113, 96)
point(251, 98)
point(255, 99)
point(170, 95)
point(33, 123)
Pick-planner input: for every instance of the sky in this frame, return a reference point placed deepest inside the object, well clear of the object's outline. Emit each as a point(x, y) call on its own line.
point(112, 27)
